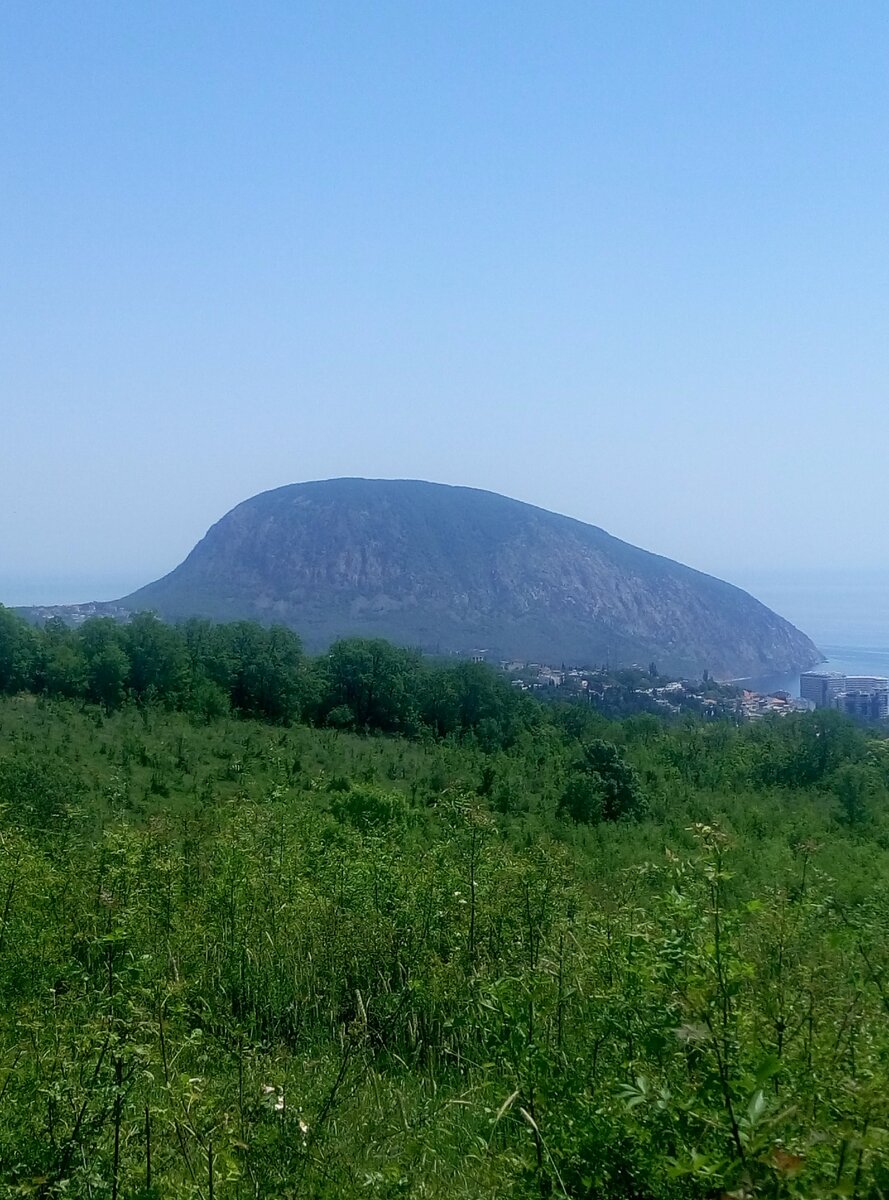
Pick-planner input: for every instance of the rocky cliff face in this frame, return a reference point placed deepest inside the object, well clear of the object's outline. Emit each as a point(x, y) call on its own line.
point(448, 568)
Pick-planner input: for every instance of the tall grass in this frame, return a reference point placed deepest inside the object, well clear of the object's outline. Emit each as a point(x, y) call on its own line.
point(312, 965)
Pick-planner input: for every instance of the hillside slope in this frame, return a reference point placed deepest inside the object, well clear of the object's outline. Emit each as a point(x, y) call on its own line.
point(453, 569)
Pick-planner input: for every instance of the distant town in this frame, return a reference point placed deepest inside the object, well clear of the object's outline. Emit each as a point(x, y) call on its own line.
point(864, 697)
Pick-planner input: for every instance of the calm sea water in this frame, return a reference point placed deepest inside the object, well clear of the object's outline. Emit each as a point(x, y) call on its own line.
point(67, 589)
point(845, 613)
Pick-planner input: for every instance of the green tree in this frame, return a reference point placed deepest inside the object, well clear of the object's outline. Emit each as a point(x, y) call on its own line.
point(265, 670)
point(800, 751)
point(107, 665)
point(62, 666)
point(375, 681)
point(18, 652)
point(857, 787)
point(472, 698)
point(158, 660)
point(605, 788)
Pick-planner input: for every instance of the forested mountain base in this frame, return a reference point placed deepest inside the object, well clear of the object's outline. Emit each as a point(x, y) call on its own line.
point(553, 957)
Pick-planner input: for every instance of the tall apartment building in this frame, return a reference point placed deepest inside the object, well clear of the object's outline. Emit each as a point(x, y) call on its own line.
point(821, 687)
point(873, 705)
point(858, 695)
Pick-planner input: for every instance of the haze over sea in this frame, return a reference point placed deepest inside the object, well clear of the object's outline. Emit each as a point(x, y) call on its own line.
point(846, 613)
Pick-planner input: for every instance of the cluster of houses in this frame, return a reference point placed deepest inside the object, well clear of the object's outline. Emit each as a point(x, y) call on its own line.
point(73, 614)
point(755, 705)
point(704, 696)
point(596, 684)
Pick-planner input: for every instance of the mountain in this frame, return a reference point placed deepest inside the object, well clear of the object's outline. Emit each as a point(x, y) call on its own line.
point(456, 569)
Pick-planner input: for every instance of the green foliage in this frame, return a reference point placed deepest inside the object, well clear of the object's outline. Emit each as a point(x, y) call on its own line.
point(37, 790)
point(605, 787)
point(332, 988)
point(62, 667)
point(102, 641)
point(514, 950)
point(369, 684)
point(367, 805)
point(18, 652)
point(157, 658)
point(263, 670)
point(207, 670)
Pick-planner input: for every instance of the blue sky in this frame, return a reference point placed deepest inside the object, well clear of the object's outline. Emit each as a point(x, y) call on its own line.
point(628, 261)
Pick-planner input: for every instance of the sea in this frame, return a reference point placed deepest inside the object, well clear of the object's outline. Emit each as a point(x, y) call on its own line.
point(845, 613)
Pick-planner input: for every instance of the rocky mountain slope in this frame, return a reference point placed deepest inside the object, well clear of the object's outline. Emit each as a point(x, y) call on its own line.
point(456, 569)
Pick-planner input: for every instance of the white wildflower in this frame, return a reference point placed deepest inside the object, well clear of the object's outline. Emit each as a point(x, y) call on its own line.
point(273, 1097)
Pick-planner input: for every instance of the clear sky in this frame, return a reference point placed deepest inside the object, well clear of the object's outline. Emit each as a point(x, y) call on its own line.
point(625, 260)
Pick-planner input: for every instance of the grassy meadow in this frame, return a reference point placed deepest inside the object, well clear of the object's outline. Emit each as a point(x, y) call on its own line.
point(581, 958)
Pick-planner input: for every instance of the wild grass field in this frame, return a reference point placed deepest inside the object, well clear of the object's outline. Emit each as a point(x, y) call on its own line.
point(586, 958)
point(295, 962)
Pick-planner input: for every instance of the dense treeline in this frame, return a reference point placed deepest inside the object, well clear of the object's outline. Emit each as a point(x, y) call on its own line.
point(210, 669)
point(369, 685)
point(515, 950)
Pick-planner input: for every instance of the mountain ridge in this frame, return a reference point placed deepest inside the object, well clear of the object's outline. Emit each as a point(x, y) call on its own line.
point(451, 569)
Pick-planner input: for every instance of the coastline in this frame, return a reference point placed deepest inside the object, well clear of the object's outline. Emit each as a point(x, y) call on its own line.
point(845, 659)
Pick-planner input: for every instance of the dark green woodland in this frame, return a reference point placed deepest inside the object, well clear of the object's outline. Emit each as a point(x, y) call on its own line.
point(366, 925)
